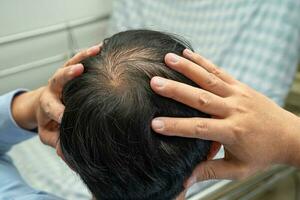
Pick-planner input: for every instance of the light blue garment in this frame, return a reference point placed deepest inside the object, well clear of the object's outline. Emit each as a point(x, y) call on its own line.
point(12, 186)
point(256, 41)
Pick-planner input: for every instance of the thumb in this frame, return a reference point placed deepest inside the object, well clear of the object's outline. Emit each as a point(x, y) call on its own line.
point(49, 133)
point(213, 169)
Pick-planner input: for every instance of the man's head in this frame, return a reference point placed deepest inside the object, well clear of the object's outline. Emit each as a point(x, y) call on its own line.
point(106, 134)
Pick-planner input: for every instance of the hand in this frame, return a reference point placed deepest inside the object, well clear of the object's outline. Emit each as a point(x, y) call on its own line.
point(50, 109)
point(255, 132)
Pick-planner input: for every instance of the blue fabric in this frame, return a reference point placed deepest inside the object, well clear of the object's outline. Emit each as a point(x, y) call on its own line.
point(12, 186)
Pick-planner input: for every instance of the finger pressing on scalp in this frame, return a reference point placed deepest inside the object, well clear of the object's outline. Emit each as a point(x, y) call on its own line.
point(83, 55)
point(208, 65)
point(199, 75)
point(201, 128)
point(191, 96)
point(63, 75)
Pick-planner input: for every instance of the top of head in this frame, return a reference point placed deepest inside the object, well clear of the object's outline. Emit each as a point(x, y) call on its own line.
point(106, 134)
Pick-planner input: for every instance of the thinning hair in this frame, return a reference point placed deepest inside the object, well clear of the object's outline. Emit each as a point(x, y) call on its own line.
point(106, 134)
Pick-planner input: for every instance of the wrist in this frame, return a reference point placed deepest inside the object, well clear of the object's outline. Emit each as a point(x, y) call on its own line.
point(292, 133)
point(24, 107)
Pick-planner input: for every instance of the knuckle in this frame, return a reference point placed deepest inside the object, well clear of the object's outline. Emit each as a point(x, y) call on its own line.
point(212, 80)
point(240, 109)
point(209, 172)
point(201, 128)
point(215, 70)
point(237, 133)
point(52, 82)
point(54, 79)
point(236, 107)
point(46, 107)
point(243, 91)
point(236, 130)
point(204, 99)
point(245, 94)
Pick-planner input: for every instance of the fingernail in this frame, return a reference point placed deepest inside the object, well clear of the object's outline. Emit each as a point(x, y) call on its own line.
point(188, 52)
point(158, 124)
point(159, 82)
point(93, 49)
point(74, 69)
point(173, 58)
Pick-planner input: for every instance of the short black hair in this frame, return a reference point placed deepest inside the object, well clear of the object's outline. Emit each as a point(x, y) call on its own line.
point(106, 134)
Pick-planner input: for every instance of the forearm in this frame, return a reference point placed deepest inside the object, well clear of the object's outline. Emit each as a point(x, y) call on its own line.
point(10, 131)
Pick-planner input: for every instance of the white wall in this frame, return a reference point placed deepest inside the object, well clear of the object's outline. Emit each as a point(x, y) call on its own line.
point(37, 36)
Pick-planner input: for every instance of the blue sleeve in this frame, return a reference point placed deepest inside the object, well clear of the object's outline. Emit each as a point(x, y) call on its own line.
point(12, 186)
point(10, 132)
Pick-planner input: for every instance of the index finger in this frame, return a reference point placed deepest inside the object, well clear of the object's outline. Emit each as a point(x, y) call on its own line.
point(208, 65)
point(199, 75)
point(191, 96)
point(83, 55)
point(201, 128)
point(63, 75)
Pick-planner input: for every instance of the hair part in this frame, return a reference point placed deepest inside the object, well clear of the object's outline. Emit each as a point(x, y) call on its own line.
point(106, 134)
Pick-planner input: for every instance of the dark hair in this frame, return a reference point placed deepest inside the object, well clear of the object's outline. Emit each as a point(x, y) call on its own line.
point(106, 134)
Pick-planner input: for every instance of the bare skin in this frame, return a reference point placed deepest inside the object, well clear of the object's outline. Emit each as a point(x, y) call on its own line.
point(256, 133)
point(42, 107)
